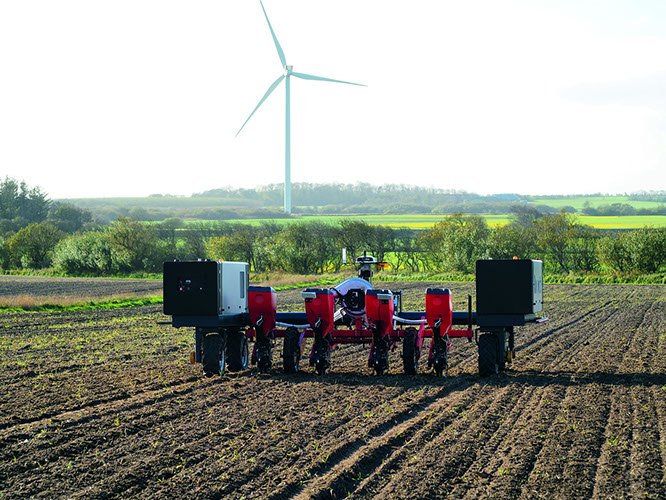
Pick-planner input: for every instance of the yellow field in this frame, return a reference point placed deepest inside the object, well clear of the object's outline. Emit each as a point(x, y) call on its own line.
point(427, 221)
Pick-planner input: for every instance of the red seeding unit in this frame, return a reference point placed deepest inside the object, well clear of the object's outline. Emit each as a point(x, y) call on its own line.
point(228, 314)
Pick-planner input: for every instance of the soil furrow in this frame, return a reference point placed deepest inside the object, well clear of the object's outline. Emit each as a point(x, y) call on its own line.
point(613, 467)
point(505, 473)
point(647, 478)
point(379, 455)
point(349, 448)
point(659, 395)
point(443, 461)
point(566, 465)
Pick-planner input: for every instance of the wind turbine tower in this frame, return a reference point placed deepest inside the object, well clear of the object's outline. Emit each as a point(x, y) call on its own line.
point(288, 72)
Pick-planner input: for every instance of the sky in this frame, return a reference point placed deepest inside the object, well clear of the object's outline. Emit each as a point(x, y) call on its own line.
point(132, 98)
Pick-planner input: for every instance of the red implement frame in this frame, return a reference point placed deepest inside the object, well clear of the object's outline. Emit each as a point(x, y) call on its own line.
point(359, 335)
point(319, 305)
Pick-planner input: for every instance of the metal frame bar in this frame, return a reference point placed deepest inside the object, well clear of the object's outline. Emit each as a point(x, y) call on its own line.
point(363, 336)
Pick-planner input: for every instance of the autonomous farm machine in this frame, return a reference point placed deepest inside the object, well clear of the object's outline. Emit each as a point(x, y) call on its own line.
point(228, 314)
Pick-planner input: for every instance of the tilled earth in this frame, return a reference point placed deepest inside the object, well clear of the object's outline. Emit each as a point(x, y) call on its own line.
point(93, 288)
point(104, 404)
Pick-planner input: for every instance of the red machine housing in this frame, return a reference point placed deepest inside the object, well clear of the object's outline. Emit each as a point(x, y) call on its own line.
point(379, 309)
point(262, 302)
point(439, 306)
point(320, 306)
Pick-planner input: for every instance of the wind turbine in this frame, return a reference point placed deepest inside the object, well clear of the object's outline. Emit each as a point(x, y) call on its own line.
point(288, 73)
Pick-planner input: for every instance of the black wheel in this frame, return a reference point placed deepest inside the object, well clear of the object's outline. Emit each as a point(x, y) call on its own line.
point(410, 354)
point(265, 362)
point(488, 353)
point(440, 366)
point(502, 338)
point(238, 351)
point(291, 351)
point(440, 362)
point(264, 353)
point(213, 353)
point(381, 367)
point(380, 362)
point(321, 366)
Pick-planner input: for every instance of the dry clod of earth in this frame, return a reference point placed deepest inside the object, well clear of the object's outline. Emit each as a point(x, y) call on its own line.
point(103, 404)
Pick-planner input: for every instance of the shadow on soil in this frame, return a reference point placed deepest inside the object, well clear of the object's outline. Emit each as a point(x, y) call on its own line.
point(369, 380)
point(510, 377)
point(565, 378)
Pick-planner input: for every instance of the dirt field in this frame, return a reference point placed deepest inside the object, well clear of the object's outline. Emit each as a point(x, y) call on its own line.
point(93, 288)
point(104, 404)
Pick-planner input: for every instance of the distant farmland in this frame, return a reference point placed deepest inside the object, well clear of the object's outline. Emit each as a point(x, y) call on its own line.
point(578, 202)
point(212, 208)
point(427, 221)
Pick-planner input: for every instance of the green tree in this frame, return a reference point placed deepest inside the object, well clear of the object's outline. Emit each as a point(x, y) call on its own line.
point(167, 231)
point(136, 246)
point(355, 236)
point(647, 247)
point(22, 204)
point(512, 240)
point(306, 247)
point(237, 246)
point(584, 254)
point(381, 240)
point(69, 218)
point(408, 252)
point(5, 254)
point(31, 247)
point(194, 246)
point(456, 242)
point(555, 234)
point(614, 252)
point(88, 253)
point(9, 193)
point(525, 215)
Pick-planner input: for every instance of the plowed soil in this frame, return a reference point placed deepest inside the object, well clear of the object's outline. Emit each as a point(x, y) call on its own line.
point(104, 404)
point(76, 288)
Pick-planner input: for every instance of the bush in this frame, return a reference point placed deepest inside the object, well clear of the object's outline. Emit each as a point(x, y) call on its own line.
point(456, 242)
point(90, 253)
point(237, 246)
point(136, 247)
point(306, 248)
point(31, 247)
point(647, 247)
point(614, 253)
point(506, 242)
point(641, 250)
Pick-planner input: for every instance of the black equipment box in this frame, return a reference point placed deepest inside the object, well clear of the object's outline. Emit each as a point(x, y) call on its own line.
point(191, 288)
point(509, 286)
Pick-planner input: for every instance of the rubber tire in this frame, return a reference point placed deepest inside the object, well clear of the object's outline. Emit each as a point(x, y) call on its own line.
point(488, 347)
point(410, 353)
point(213, 354)
point(439, 369)
point(291, 351)
point(238, 351)
point(321, 367)
point(381, 368)
point(265, 363)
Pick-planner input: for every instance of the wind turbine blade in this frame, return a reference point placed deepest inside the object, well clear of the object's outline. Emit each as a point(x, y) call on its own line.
point(277, 44)
point(268, 92)
point(312, 77)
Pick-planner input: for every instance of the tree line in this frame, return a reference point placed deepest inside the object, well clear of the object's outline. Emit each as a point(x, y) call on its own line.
point(622, 209)
point(453, 244)
point(36, 233)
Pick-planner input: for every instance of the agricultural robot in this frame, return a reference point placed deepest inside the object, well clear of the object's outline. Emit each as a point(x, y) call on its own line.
point(229, 314)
